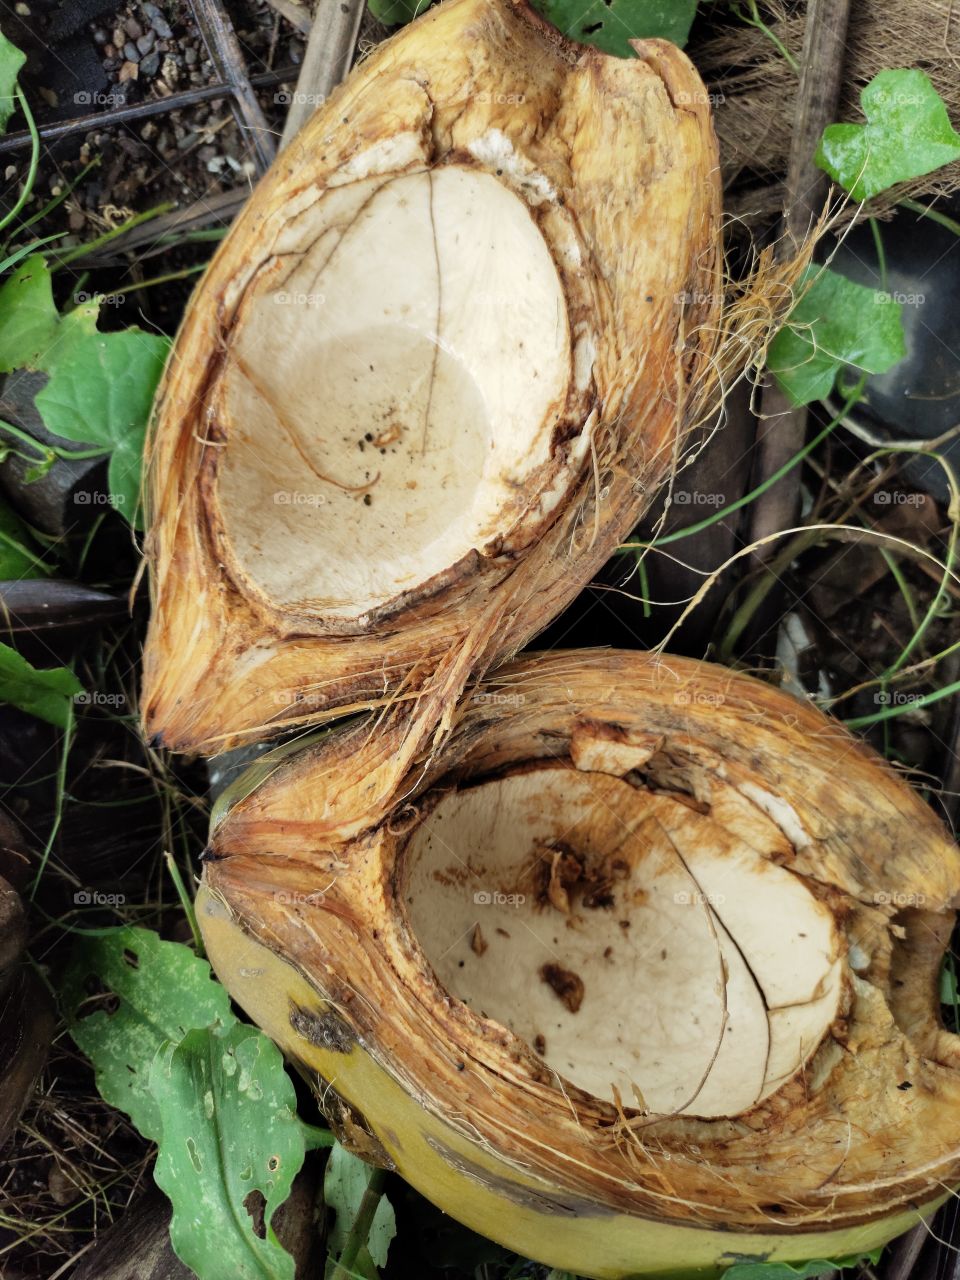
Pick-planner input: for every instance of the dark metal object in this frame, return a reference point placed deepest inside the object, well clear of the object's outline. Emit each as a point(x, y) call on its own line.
point(143, 110)
point(224, 49)
point(43, 604)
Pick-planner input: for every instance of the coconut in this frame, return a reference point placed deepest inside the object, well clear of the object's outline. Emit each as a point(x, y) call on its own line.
point(636, 970)
point(433, 376)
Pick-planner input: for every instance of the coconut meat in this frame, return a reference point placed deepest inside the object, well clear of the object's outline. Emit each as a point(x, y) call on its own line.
point(395, 377)
point(639, 948)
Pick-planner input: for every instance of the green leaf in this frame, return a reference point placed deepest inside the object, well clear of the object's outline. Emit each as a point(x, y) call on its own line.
point(908, 133)
point(11, 62)
point(19, 556)
point(46, 694)
point(344, 1182)
point(606, 25)
point(161, 990)
point(100, 391)
point(611, 26)
point(28, 318)
point(796, 1271)
point(230, 1130)
point(393, 13)
point(835, 323)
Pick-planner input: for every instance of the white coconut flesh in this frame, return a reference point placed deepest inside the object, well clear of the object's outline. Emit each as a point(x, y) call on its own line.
point(395, 376)
point(682, 971)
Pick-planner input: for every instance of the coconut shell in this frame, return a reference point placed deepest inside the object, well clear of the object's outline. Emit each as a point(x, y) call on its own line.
point(607, 174)
point(312, 919)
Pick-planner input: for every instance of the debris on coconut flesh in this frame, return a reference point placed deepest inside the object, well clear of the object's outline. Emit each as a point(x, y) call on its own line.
point(408, 356)
point(654, 957)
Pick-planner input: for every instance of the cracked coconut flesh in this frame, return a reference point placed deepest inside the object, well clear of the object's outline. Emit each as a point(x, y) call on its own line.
point(398, 371)
point(643, 950)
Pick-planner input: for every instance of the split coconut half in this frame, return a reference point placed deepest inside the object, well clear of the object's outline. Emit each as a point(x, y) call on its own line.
point(636, 972)
point(432, 377)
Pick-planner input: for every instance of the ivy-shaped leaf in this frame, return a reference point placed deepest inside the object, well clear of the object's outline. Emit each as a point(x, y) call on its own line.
point(11, 63)
point(100, 385)
point(100, 390)
point(48, 695)
point(29, 322)
point(606, 24)
point(612, 26)
point(230, 1136)
point(152, 992)
point(836, 323)
point(907, 134)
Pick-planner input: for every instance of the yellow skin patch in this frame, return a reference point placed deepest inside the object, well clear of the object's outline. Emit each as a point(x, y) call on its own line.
point(468, 1180)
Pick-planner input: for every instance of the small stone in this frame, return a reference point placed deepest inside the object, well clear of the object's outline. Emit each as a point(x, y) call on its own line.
point(145, 43)
point(169, 70)
point(109, 50)
point(159, 23)
point(190, 56)
point(133, 28)
point(149, 130)
point(129, 71)
point(9, 173)
point(131, 52)
point(76, 220)
point(119, 37)
point(99, 36)
point(22, 9)
point(150, 64)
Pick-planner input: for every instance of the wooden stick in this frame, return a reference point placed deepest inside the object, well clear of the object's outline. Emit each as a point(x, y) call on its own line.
point(330, 49)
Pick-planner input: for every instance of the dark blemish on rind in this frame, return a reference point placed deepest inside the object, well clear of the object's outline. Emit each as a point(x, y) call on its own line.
point(544, 1201)
point(326, 1030)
